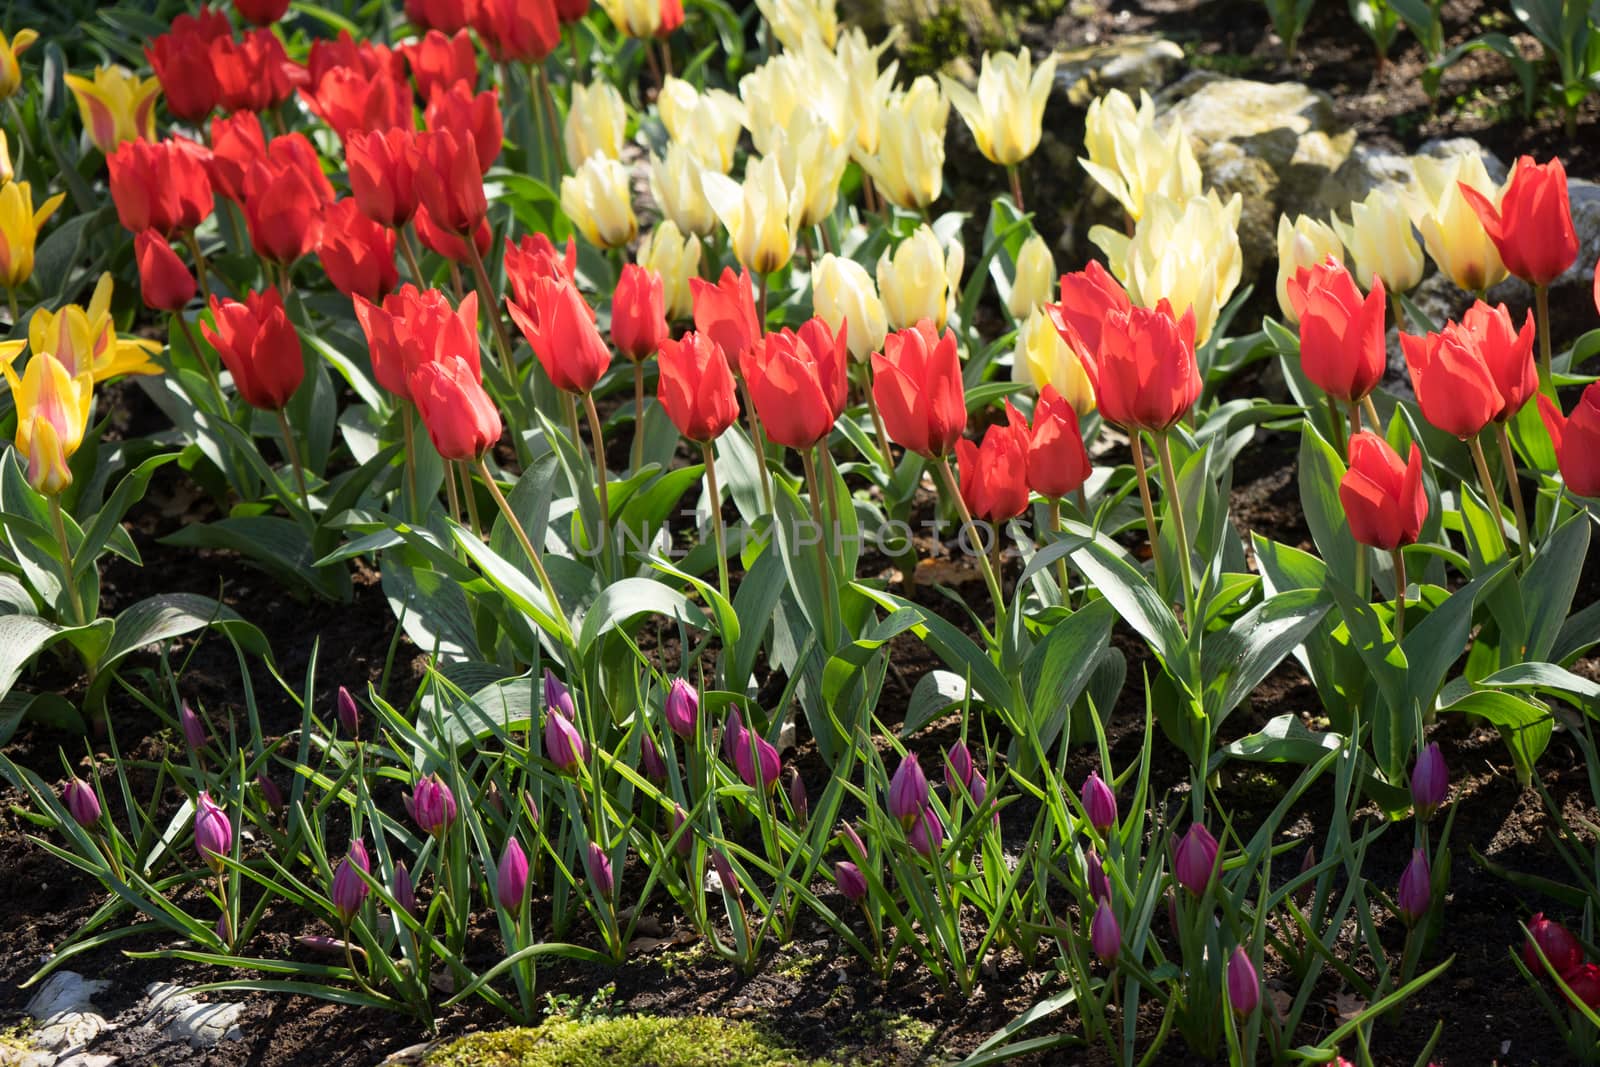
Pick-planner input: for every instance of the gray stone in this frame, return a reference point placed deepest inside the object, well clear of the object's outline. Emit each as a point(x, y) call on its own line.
point(87, 1059)
point(198, 1023)
point(1585, 197)
point(1129, 63)
point(65, 991)
point(64, 1009)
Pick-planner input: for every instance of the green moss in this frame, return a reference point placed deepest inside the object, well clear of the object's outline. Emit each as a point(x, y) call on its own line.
point(876, 1026)
point(935, 41)
point(629, 1040)
point(798, 966)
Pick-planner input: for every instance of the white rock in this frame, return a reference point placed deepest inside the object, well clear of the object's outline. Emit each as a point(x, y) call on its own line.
point(198, 1023)
point(64, 991)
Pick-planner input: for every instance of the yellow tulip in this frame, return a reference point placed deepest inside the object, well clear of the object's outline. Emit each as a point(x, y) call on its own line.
point(1006, 114)
point(908, 167)
point(676, 257)
point(597, 121)
point(842, 292)
point(116, 106)
point(708, 124)
point(868, 88)
point(633, 18)
point(792, 21)
point(6, 173)
point(52, 414)
point(675, 181)
point(812, 158)
point(919, 280)
point(1450, 229)
point(1380, 240)
point(761, 216)
point(1042, 357)
point(1035, 279)
point(19, 230)
point(85, 341)
point(1131, 159)
point(773, 91)
point(598, 201)
point(10, 70)
point(1302, 244)
point(1185, 251)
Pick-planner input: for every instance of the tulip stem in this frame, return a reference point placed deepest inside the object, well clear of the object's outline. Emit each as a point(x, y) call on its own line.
point(714, 493)
point(408, 252)
point(450, 495)
point(1355, 425)
point(200, 272)
point(1169, 474)
point(759, 439)
point(1016, 187)
point(761, 301)
point(471, 497)
point(1490, 495)
point(1372, 414)
point(66, 561)
point(547, 101)
point(292, 450)
point(637, 458)
point(1509, 461)
point(527, 545)
point(200, 358)
point(1336, 421)
point(953, 487)
point(496, 324)
point(1399, 594)
point(1541, 310)
point(1062, 574)
point(11, 302)
point(824, 566)
point(882, 430)
point(602, 478)
point(1398, 307)
point(410, 431)
point(1149, 509)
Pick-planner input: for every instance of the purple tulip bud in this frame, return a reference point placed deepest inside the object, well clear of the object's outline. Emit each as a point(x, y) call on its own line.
point(854, 847)
point(1095, 877)
point(683, 708)
point(765, 759)
point(1430, 781)
point(725, 875)
point(927, 833)
point(349, 888)
point(1105, 936)
point(557, 697)
point(958, 768)
point(194, 730)
point(1194, 861)
point(979, 788)
point(405, 894)
point(511, 880)
point(650, 761)
point(733, 736)
point(270, 791)
point(213, 833)
point(799, 803)
point(82, 803)
point(349, 714)
point(1416, 888)
point(1244, 987)
point(685, 842)
point(1303, 894)
point(908, 790)
point(562, 742)
point(433, 805)
point(1099, 803)
point(599, 865)
point(494, 798)
point(852, 883)
point(528, 803)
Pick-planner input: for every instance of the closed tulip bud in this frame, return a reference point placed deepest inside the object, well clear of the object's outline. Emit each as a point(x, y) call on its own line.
point(412, 328)
point(675, 181)
point(253, 73)
point(383, 174)
point(446, 16)
point(1105, 935)
point(1555, 941)
point(450, 182)
point(700, 396)
point(994, 477)
point(597, 198)
point(676, 258)
point(917, 281)
point(163, 186)
point(762, 216)
point(165, 283)
point(1095, 878)
point(1576, 439)
point(798, 383)
point(350, 99)
point(270, 792)
point(852, 883)
point(682, 709)
point(1430, 781)
point(1455, 387)
point(1244, 986)
point(1145, 374)
point(1044, 360)
point(19, 230)
point(259, 346)
point(1416, 888)
point(557, 697)
point(706, 124)
point(511, 877)
point(181, 60)
point(1184, 252)
point(404, 892)
point(1384, 500)
point(852, 842)
point(1058, 463)
point(213, 833)
point(958, 768)
point(1302, 895)
point(282, 210)
point(1006, 114)
point(650, 761)
point(433, 805)
point(908, 790)
point(1087, 297)
point(1099, 803)
point(349, 888)
point(597, 121)
point(440, 61)
point(1135, 160)
point(116, 105)
point(563, 744)
point(1531, 226)
point(638, 313)
point(1342, 347)
point(598, 865)
point(726, 313)
point(194, 729)
point(927, 833)
point(357, 253)
point(460, 417)
point(10, 70)
point(1194, 860)
point(799, 803)
point(52, 407)
point(908, 167)
point(81, 802)
point(843, 295)
point(685, 842)
point(517, 31)
point(1303, 244)
point(918, 389)
point(792, 21)
point(1034, 281)
point(727, 879)
point(261, 12)
point(1451, 230)
point(559, 325)
point(760, 766)
point(1584, 981)
point(1380, 240)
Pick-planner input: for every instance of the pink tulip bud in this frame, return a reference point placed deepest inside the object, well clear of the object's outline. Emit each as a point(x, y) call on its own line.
point(682, 709)
point(958, 769)
point(685, 842)
point(194, 730)
point(270, 791)
point(1194, 861)
point(1099, 803)
point(851, 881)
point(650, 761)
point(1556, 941)
point(599, 865)
point(562, 742)
point(1105, 936)
point(1430, 781)
point(349, 888)
point(511, 880)
point(799, 803)
point(405, 894)
point(1584, 981)
point(1095, 877)
point(1303, 895)
point(978, 786)
point(725, 875)
point(852, 842)
point(763, 760)
point(349, 714)
point(81, 802)
point(213, 833)
point(927, 833)
point(908, 790)
point(1416, 888)
point(733, 736)
point(433, 805)
point(557, 697)
point(1244, 987)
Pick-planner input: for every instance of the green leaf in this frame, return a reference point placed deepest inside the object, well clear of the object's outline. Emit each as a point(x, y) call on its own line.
point(1057, 670)
point(1136, 600)
point(1320, 470)
point(1235, 661)
point(1525, 727)
point(934, 694)
point(622, 602)
point(1550, 584)
point(277, 545)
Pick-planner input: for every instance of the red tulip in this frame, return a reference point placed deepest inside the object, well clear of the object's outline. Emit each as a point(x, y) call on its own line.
point(253, 74)
point(365, 57)
point(461, 419)
point(282, 209)
point(696, 389)
point(535, 257)
point(520, 31)
point(994, 477)
point(439, 62)
point(797, 383)
point(162, 186)
point(1506, 351)
point(259, 346)
point(638, 313)
point(1086, 297)
point(237, 142)
point(261, 12)
point(571, 10)
point(1576, 438)
point(559, 325)
point(1342, 347)
point(1058, 463)
point(916, 383)
point(450, 181)
point(412, 328)
point(164, 281)
point(1144, 372)
point(357, 253)
point(475, 116)
point(1383, 499)
point(383, 174)
point(1532, 225)
point(181, 59)
point(1584, 981)
point(671, 17)
point(449, 245)
point(1455, 389)
point(349, 100)
point(446, 16)
point(291, 150)
point(726, 312)
point(1555, 941)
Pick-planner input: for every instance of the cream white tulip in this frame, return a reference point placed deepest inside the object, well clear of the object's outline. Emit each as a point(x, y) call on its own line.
point(811, 157)
point(708, 124)
point(1131, 159)
point(1006, 113)
point(1042, 357)
point(675, 182)
point(762, 216)
point(676, 257)
point(1380, 240)
point(869, 88)
point(1455, 239)
point(908, 167)
point(792, 21)
point(597, 121)
point(919, 280)
point(599, 202)
point(1302, 244)
point(1035, 279)
point(842, 292)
